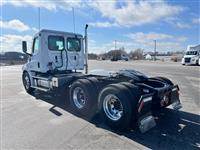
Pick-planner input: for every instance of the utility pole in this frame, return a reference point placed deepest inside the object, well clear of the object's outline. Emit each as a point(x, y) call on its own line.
point(115, 44)
point(115, 53)
point(154, 50)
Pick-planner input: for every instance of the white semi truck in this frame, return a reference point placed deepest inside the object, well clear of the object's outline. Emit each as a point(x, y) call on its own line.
point(192, 55)
point(122, 98)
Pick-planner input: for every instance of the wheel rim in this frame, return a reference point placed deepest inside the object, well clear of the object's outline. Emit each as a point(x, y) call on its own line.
point(26, 82)
point(79, 97)
point(113, 107)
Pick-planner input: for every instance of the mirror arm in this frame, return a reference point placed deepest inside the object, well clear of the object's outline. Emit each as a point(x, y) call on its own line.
point(28, 54)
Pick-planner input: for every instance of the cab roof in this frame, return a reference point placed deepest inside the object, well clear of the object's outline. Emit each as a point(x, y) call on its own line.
point(59, 32)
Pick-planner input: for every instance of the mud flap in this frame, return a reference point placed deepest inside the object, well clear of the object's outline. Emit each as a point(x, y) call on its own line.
point(175, 101)
point(146, 123)
point(145, 119)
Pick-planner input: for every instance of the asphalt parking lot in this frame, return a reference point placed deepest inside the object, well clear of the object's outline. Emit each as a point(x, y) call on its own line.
point(44, 121)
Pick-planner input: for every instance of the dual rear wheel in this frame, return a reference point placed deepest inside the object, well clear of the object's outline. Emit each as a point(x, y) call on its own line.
point(116, 102)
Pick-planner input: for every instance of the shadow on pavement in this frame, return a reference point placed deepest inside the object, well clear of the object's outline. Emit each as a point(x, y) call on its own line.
point(174, 130)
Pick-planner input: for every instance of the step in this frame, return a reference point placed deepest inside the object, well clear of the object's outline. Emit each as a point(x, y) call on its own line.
point(42, 78)
point(40, 88)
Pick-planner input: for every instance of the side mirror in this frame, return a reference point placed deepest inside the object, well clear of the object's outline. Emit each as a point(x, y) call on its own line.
point(24, 46)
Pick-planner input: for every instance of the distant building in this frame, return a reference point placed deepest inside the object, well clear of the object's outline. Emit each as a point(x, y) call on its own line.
point(148, 57)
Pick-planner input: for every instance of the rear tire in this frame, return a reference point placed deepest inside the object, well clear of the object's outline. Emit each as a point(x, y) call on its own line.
point(95, 82)
point(116, 107)
point(83, 97)
point(27, 83)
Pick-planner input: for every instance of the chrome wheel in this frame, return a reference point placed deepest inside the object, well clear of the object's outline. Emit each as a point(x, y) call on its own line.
point(112, 107)
point(79, 97)
point(26, 82)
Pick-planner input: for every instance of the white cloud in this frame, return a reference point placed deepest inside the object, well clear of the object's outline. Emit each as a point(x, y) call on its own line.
point(103, 24)
point(14, 25)
point(10, 42)
point(127, 13)
point(47, 4)
point(146, 37)
point(177, 23)
point(170, 46)
point(183, 25)
point(181, 39)
point(196, 20)
point(35, 29)
point(134, 13)
point(165, 42)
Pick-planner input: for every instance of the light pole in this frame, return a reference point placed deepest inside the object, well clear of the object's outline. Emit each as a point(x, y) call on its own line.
point(154, 50)
point(115, 44)
point(115, 53)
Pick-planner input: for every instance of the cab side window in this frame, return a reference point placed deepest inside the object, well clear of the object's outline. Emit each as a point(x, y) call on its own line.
point(35, 45)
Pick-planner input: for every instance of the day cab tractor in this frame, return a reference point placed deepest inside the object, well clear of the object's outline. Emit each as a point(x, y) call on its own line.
point(122, 98)
point(192, 55)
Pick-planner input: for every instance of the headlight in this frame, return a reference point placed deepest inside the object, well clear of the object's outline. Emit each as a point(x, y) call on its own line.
point(193, 59)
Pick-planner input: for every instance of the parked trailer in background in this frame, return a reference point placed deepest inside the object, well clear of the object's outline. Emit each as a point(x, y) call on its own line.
point(122, 98)
point(192, 55)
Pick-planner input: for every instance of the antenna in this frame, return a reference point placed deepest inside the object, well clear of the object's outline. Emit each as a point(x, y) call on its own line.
point(39, 18)
point(73, 18)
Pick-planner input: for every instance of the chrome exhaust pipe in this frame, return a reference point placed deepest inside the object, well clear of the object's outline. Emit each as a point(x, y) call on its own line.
point(86, 49)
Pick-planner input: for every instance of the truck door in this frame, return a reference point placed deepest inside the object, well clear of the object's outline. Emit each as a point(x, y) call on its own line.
point(74, 53)
point(56, 49)
point(35, 63)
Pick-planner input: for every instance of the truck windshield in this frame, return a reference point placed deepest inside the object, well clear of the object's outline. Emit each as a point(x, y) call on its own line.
point(191, 53)
point(73, 44)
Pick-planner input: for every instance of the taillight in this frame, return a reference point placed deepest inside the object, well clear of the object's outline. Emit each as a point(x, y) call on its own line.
point(141, 106)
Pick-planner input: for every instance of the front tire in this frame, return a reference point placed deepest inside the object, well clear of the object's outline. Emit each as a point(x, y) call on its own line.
point(27, 83)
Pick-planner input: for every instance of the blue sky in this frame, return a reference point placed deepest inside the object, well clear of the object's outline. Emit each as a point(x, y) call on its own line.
point(134, 24)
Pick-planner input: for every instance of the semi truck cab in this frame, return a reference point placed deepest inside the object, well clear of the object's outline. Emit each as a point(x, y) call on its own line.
point(192, 55)
point(56, 51)
point(122, 98)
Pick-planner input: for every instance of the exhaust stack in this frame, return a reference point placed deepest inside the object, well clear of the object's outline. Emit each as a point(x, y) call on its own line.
point(86, 49)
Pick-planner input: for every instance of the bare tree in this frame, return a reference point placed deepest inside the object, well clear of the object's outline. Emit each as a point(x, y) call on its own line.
point(136, 54)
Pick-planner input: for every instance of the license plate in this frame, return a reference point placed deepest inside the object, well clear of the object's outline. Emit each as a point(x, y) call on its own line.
point(146, 123)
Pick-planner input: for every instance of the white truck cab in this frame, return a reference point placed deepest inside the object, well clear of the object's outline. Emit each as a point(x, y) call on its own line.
point(56, 51)
point(192, 55)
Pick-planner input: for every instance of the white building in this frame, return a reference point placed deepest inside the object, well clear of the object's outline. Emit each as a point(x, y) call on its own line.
point(148, 57)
